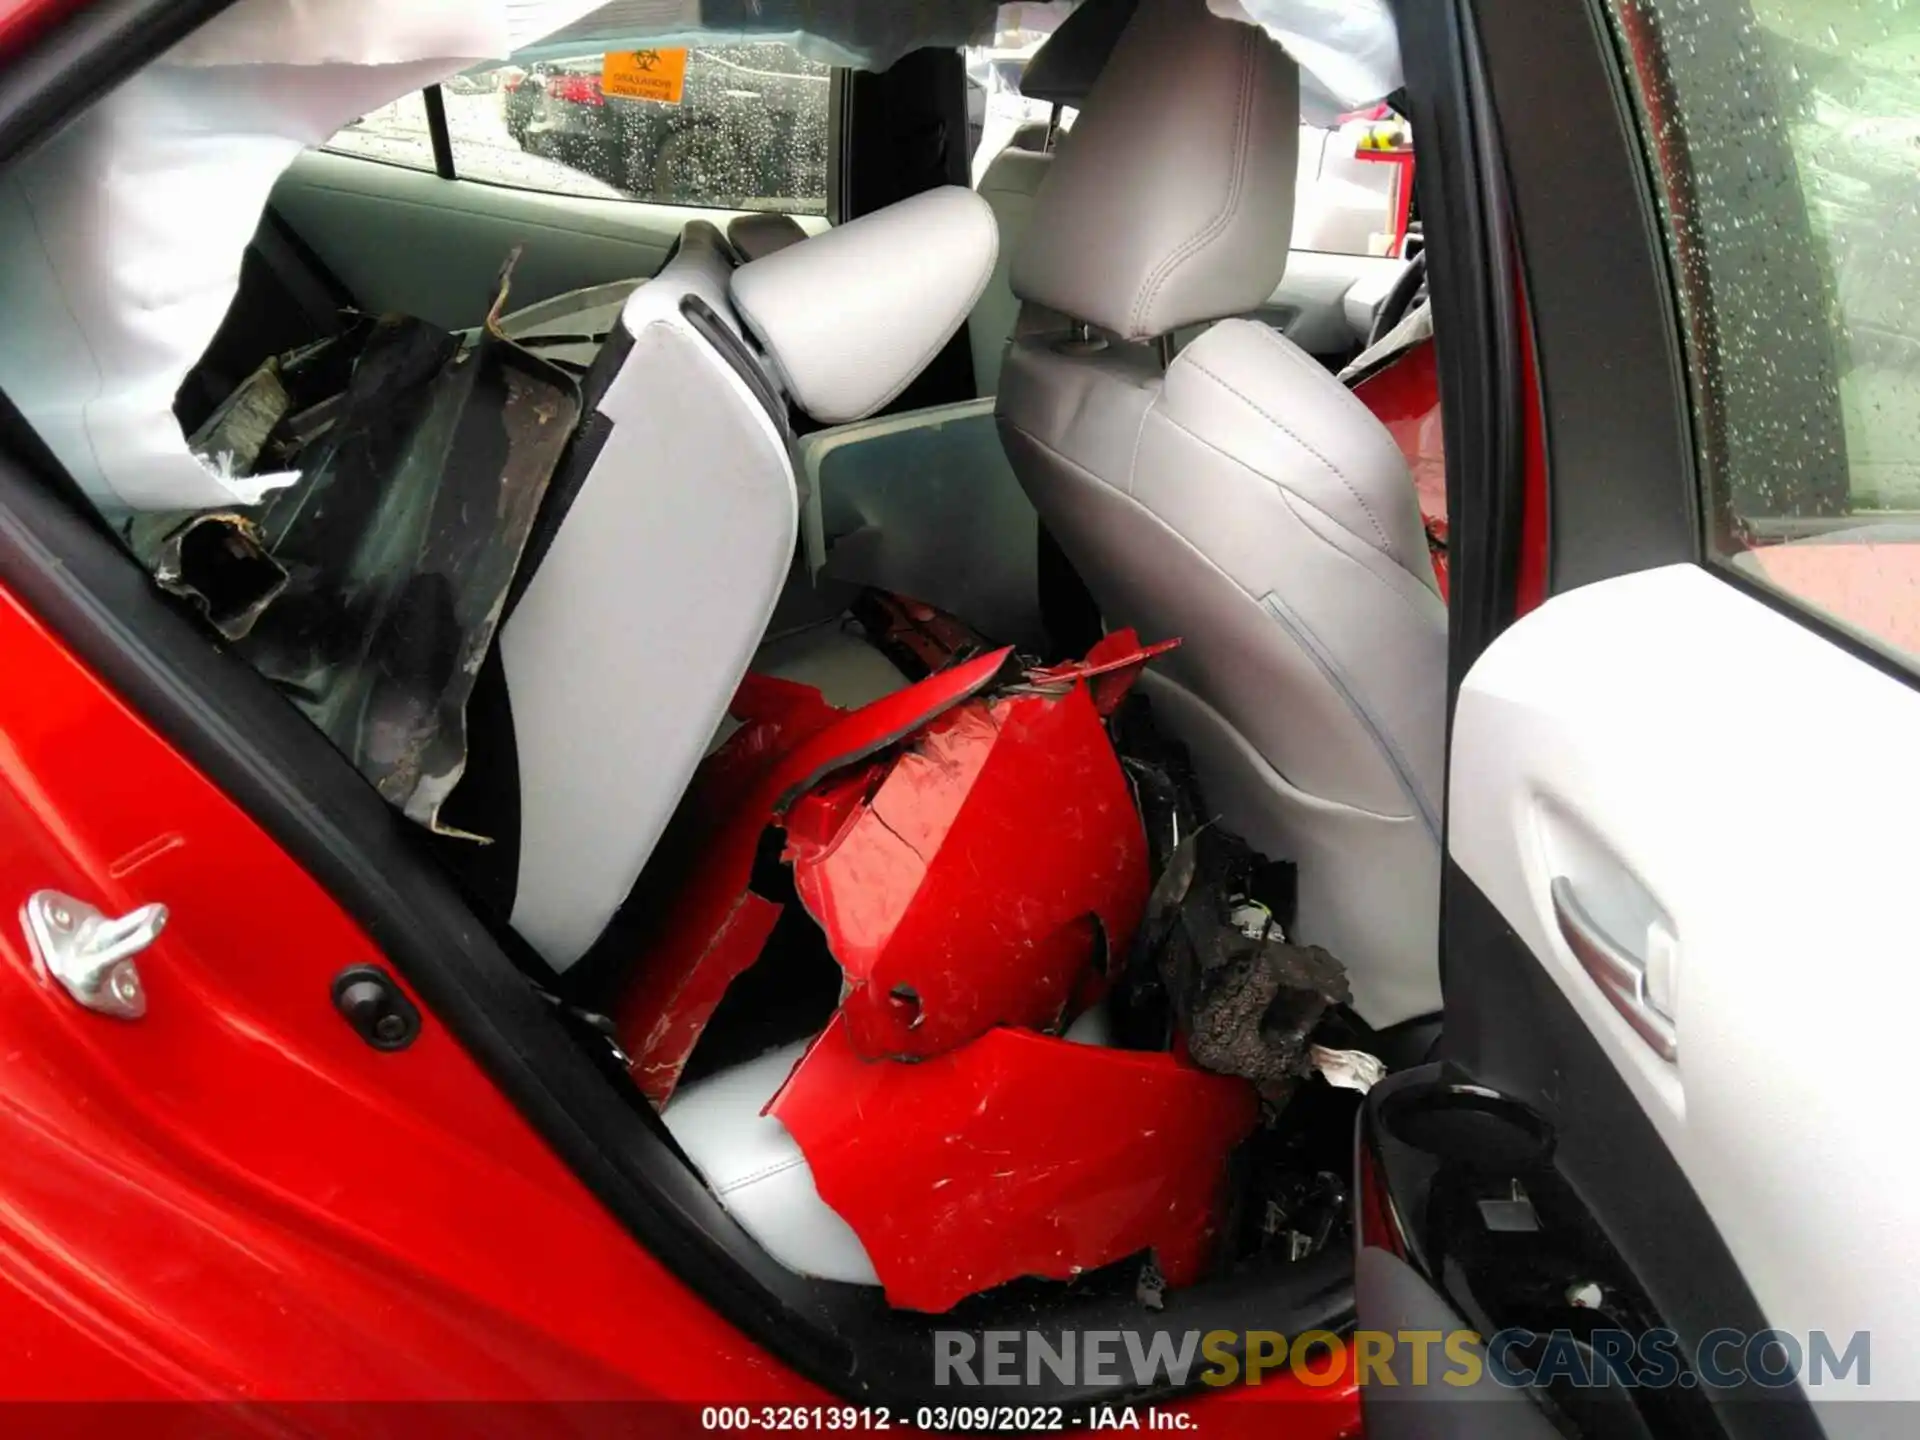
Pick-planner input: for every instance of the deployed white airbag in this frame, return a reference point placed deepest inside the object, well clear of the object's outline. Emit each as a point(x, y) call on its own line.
point(866, 34)
point(1348, 51)
point(121, 238)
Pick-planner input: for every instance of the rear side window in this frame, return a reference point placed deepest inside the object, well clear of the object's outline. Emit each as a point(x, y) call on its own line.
point(1784, 136)
point(398, 134)
point(732, 127)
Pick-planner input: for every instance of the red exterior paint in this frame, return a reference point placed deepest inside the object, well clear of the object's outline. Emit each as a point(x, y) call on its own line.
point(958, 894)
point(1017, 1154)
point(710, 935)
point(1109, 668)
point(23, 21)
point(1405, 397)
point(775, 716)
point(1282, 1407)
point(235, 1197)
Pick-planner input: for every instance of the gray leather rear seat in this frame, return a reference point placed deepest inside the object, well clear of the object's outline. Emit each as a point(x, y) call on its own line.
point(671, 529)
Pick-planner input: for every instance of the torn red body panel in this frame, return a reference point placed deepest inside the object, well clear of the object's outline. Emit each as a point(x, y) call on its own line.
point(1016, 1154)
point(776, 717)
point(716, 927)
point(1109, 668)
point(995, 864)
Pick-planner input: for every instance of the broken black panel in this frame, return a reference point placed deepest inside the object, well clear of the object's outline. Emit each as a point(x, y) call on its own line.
point(370, 588)
point(1246, 999)
point(1210, 958)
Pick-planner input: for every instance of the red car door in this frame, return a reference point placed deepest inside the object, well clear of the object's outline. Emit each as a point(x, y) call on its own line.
point(235, 1195)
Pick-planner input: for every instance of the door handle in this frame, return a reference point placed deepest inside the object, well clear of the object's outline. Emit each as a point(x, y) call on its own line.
point(1620, 974)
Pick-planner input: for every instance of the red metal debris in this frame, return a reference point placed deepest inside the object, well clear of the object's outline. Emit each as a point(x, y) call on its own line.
point(979, 873)
point(973, 856)
point(1017, 1154)
point(1110, 667)
point(716, 926)
point(995, 864)
point(928, 639)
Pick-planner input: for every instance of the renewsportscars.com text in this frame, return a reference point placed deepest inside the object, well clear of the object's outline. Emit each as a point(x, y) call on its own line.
point(1516, 1358)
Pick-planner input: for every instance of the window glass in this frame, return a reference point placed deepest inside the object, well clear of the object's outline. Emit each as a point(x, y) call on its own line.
point(396, 134)
point(740, 127)
point(727, 126)
point(1355, 188)
point(1785, 140)
point(998, 115)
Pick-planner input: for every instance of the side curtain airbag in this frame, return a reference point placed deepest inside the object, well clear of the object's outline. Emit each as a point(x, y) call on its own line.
point(121, 238)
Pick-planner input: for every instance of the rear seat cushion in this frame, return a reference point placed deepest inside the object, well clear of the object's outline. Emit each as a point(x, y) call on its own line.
point(753, 1165)
point(836, 659)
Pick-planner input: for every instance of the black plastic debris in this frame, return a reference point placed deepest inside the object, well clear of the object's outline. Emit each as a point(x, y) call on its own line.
point(1245, 997)
point(370, 588)
point(1211, 959)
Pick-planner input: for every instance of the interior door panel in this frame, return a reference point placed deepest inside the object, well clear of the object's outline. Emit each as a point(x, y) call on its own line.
point(1396, 1298)
point(406, 239)
point(1719, 793)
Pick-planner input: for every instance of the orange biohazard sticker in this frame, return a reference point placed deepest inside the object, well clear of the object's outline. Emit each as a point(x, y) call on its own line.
point(645, 74)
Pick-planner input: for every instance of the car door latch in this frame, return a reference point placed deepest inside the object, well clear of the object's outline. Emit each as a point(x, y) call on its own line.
point(91, 954)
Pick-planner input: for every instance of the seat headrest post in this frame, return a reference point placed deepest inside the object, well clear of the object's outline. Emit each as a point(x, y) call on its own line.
point(1063, 71)
point(1173, 205)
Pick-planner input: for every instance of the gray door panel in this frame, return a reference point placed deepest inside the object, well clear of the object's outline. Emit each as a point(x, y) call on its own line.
point(406, 239)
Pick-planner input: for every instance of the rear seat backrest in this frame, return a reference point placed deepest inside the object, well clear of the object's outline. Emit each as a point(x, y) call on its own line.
point(645, 604)
point(676, 517)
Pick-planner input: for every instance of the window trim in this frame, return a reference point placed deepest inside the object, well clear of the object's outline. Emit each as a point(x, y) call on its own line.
point(438, 135)
point(1619, 443)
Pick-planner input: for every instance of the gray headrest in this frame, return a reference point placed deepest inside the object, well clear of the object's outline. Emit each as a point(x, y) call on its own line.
point(850, 316)
point(1062, 71)
point(1173, 205)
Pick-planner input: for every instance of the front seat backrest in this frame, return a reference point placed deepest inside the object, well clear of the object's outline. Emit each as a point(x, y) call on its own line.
point(1012, 187)
point(1238, 497)
point(651, 589)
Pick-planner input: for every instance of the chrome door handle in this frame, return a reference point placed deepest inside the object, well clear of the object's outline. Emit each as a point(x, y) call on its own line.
point(1620, 974)
point(91, 954)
